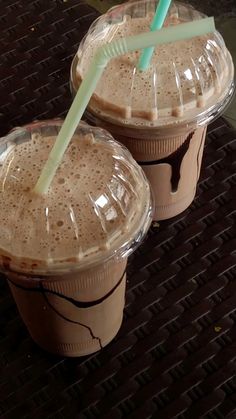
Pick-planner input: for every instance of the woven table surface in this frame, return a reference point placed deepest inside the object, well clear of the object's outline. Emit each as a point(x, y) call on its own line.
point(174, 356)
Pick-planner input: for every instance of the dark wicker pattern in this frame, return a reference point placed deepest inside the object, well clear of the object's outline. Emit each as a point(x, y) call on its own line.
point(175, 354)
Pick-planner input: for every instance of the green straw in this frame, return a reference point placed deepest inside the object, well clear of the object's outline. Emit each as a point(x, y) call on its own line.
point(157, 23)
point(104, 54)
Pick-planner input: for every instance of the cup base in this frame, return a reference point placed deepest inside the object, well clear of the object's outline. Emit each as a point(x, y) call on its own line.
point(73, 350)
point(165, 212)
point(74, 314)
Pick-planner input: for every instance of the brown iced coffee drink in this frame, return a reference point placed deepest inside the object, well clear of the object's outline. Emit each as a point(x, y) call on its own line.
point(65, 253)
point(160, 114)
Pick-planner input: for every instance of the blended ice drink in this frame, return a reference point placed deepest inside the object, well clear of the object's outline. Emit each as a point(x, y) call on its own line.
point(65, 252)
point(160, 114)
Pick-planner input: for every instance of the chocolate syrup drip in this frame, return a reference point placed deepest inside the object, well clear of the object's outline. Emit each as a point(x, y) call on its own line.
point(66, 318)
point(78, 304)
point(174, 160)
point(198, 162)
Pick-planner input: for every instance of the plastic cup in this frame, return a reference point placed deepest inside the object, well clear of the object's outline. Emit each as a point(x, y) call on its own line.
point(65, 253)
point(160, 114)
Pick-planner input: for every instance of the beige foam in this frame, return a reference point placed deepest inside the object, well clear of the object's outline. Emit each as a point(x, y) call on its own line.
point(88, 210)
point(185, 76)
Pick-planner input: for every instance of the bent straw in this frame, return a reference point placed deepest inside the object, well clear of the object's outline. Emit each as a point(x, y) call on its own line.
point(158, 20)
point(104, 54)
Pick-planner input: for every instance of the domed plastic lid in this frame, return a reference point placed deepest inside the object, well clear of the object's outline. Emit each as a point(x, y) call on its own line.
point(187, 81)
point(98, 205)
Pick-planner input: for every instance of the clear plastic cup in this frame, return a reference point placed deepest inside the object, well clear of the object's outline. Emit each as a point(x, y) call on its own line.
point(160, 114)
point(65, 253)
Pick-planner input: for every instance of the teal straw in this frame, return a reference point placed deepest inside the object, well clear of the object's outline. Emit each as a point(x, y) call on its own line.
point(104, 54)
point(157, 23)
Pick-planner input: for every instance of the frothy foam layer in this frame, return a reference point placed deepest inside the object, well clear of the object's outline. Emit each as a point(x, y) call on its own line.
point(94, 204)
point(185, 78)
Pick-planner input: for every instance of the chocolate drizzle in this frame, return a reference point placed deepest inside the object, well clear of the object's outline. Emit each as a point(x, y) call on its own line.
point(174, 160)
point(43, 291)
point(78, 304)
point(198, 154)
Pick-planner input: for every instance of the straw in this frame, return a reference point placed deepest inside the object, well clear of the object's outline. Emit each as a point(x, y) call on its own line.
point(104, 54)
point(158, 20)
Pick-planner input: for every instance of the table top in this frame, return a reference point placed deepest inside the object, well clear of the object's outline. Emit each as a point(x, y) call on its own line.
point(174, 356)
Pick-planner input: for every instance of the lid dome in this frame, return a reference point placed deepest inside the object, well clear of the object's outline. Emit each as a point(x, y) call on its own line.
point(98, 204)
point(187, 81)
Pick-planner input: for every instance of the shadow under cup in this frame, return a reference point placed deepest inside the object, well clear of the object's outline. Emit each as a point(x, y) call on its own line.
point(73, 314)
